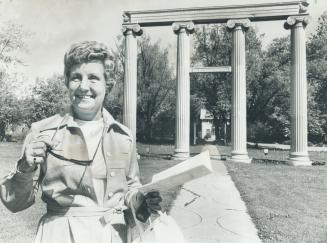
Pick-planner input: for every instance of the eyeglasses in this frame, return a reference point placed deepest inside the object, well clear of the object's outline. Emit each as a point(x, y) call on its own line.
point(58, 156)
point(75, 161)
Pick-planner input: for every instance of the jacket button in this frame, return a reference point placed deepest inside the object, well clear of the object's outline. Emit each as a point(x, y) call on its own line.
point(112, 174)
point(110, 194)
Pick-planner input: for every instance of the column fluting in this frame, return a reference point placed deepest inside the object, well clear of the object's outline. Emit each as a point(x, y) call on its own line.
point(182, 139)
point(130, 31)
point(239, 153)
point(299, 124)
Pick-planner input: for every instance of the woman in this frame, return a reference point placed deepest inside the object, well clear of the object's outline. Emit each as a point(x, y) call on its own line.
point(88, 169)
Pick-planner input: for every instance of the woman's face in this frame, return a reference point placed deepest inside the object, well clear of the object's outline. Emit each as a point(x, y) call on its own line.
point(87, 88)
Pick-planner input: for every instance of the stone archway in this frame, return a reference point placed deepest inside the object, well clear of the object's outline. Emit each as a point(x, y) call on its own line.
point(238, 19)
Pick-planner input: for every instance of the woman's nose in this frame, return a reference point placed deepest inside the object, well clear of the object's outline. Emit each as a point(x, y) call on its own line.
point(85, 85)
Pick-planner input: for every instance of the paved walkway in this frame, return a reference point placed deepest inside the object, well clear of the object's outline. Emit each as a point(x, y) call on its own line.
point(210, 210)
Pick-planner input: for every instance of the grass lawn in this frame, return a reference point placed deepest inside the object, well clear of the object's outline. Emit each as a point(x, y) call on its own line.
point(287, 204)
point(16, 227)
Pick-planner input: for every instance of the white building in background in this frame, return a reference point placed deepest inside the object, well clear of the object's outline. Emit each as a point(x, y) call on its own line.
point(207, 129)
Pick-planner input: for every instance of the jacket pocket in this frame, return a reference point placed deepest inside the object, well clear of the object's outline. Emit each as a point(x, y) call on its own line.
point(119, 160)
point(117, 173)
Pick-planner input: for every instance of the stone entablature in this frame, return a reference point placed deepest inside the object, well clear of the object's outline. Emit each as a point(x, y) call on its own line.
point(221, 14)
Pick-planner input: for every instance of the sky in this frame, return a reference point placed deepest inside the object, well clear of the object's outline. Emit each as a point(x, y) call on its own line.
point(56, 24)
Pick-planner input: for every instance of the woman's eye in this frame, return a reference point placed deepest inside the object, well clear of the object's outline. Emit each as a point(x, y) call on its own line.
point(75, 79)
point(93, 77)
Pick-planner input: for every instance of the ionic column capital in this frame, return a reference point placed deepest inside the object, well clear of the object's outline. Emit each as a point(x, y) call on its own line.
point(243, 23)
point(183, 26)
point(129, 29)
point(293, 21)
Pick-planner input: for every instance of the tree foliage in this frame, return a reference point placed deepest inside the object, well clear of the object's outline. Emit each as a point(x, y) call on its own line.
point(49, 96)
point(213, 47)
point(317, 78)
point(114, 100)
point(268, 82)
point(11, 42)
point(155, 86)
point(269, 94)
point(155, 89)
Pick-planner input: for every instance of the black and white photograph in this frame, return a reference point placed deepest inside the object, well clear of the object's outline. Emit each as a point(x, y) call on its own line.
point(151, 121)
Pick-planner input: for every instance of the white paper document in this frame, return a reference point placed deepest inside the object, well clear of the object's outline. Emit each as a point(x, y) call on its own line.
point(190, 169)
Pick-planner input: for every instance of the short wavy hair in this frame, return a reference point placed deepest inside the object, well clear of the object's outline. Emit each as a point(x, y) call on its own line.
point(88, 51)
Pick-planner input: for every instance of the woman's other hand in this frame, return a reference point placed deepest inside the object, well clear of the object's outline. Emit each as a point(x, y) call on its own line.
point(147, 204)
point(153, 200)
point(35, 153)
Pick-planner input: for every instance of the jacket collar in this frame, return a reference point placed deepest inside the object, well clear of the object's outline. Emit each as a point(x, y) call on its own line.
point(70, 122)
point(66, 119)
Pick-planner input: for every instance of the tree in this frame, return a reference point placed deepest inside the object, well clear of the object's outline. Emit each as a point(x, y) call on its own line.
point(10, 110)
point(49, 96)
point(12, 38)
point(114, 100)
point(268, 94)
point(11, 42)
point(155, 86)
point(212, 44)
point(317, 79)
point(155, 89)
point(213, 47)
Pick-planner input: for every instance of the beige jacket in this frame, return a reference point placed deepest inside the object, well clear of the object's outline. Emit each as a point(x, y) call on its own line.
point(62, 180)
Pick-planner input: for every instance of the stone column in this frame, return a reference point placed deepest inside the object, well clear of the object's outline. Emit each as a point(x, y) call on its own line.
point(299, 133)
point(182, 139)
point(238, 27)
point(130, 32)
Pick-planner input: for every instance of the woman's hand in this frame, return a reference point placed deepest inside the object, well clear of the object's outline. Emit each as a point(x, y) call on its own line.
point(35, 153)
point(147, 204)
point(153, 200)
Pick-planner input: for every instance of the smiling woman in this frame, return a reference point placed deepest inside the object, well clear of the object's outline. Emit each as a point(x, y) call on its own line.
point(88, 169)
point(87, 87)
point(88, 80)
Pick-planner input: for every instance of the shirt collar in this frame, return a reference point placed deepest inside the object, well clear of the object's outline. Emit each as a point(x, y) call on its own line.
point(69, 119)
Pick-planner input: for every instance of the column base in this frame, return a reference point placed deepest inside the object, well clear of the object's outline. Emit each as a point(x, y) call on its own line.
point(240, 157)
point(180, 154)
point(299, 159)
